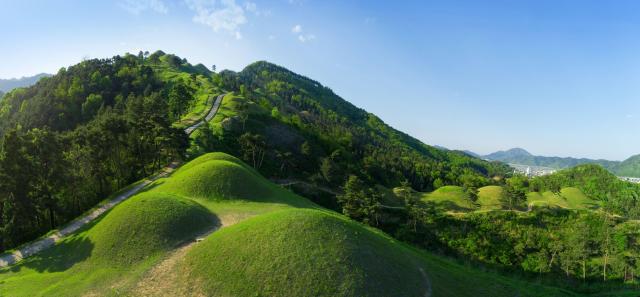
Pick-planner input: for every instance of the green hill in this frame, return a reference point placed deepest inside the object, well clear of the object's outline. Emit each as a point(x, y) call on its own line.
point(119, 247)
point(629, 167)
point(303, 253)
point(450, 198)
point(489, 198)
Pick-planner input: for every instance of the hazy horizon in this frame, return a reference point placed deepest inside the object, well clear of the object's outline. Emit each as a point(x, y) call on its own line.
point(557, 79)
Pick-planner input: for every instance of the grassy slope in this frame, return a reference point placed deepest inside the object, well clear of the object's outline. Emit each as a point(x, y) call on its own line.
point(569, 198)
point(450, 198)
point(454, 199)
point(128, 239)
point(489, 198)
point(302, 253)
point(295, 252)
point(109, 255)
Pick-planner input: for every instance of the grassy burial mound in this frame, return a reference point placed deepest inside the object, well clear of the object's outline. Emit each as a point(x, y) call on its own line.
point(489, 198)
point(111, 252)
point(120, 246)
point(451, 198)
point(148, 224)
point(221, 177)
point(302, 253)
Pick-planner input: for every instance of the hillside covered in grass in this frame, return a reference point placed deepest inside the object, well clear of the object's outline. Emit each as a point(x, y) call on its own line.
point(271, 242)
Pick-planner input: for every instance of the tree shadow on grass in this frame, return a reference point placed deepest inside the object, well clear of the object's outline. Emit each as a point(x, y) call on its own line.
point(60, 257)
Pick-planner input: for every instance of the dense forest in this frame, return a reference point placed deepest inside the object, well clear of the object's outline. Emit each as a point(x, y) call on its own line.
point(73, 139)
point(79, 136)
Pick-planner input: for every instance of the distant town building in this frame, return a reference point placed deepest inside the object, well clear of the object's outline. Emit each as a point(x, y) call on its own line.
point(630, 179)
point(532, 171)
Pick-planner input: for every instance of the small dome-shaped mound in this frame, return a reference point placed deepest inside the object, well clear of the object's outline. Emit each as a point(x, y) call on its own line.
point(217, 180)
point(215, 156)
point(302, 253)
point(218, 176)
point(146, 224)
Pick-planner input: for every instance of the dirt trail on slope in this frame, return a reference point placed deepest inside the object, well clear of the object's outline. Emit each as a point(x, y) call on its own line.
point(164, 278)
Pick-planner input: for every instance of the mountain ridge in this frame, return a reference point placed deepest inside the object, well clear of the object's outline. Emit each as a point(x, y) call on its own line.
point(6, 85)
point(629, 167)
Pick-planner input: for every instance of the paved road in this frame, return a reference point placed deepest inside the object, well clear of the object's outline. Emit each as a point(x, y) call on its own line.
point(208, 117)
point(46, 242)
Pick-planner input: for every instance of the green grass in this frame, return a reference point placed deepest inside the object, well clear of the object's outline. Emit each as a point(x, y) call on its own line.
point(282, 245)
point(451, 198)
point(108, 256)
point(302, 253)
point(568, 198)
point(205, 91)
point(489, 198)
point(578, 200)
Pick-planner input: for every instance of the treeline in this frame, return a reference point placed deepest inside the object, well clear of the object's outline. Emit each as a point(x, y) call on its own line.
point(584, 250)
point(73, 139)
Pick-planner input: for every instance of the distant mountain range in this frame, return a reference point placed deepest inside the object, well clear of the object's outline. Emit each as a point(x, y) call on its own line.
point(629, 167)
point(7, 85)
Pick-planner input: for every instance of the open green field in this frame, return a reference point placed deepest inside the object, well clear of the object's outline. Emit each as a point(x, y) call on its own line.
point(272, 243)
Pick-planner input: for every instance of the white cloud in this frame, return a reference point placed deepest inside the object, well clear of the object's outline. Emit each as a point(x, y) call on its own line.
point(271, 37)
point(304, 38)
point(138, 6)
point(251, 7)
point(297, 29)
point(224, 16)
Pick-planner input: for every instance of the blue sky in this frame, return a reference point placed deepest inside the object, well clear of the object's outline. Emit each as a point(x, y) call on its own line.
point(555, 77)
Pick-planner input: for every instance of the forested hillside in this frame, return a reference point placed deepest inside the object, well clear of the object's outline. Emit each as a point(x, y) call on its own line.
point(74, 138)
point(297, 131)
point(303, 130)
point(79, 136)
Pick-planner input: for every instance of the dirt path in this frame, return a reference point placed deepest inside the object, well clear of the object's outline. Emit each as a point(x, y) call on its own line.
point(46, 242)
point(164, 278)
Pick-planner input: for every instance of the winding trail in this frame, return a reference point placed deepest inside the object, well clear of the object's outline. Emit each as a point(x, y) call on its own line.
point(41, 244)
